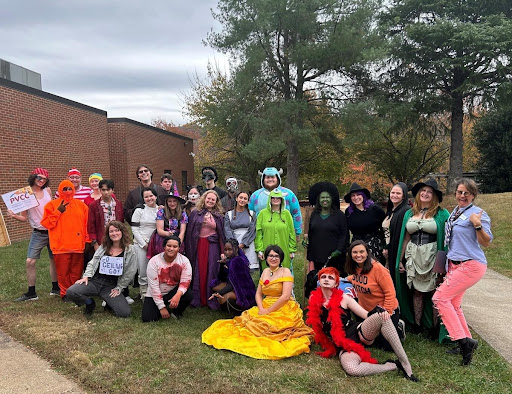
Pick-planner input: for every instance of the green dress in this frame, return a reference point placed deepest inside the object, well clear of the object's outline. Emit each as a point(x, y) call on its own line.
point(276, 228)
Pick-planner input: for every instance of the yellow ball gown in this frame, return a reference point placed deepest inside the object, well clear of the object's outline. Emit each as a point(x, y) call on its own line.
point(279, 334)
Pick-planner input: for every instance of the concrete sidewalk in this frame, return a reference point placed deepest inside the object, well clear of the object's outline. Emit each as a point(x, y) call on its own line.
point(22, 371)
point(488, 310)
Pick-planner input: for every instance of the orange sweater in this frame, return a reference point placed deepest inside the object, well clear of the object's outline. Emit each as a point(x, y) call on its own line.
point(68, 230)
point(375, 288)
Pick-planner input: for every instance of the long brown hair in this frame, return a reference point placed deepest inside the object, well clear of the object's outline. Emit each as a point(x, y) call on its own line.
point(434, 204)
point(351, 265)
point(246, 206)
point(172, 213)
point(125, 239)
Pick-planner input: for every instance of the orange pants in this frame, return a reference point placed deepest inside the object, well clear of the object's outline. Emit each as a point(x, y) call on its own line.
point(69, 268)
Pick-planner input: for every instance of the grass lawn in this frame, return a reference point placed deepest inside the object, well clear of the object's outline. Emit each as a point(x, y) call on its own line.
point(107, 354)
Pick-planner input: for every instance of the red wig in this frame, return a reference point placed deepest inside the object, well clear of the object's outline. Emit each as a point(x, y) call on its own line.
point(330, 271)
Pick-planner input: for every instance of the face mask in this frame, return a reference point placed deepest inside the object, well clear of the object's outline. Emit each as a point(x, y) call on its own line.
point(231, 185)
point(193, 196)
point(208, 177)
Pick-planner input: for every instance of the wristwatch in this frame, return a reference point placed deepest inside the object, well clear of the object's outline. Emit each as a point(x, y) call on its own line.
point(478, 228)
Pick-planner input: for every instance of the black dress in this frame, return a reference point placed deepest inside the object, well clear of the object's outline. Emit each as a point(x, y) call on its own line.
point(367, 226)
point(325, 236)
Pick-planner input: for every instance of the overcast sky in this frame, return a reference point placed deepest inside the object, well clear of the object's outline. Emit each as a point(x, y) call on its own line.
point(133, 59)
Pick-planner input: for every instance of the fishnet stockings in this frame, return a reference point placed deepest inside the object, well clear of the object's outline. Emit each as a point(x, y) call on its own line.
point(376, 324)
point(352, 365)
point(417, 301)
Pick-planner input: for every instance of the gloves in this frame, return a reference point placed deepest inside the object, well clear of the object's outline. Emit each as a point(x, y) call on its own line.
point(377, 309)
point(335, 254)
point(62, 207)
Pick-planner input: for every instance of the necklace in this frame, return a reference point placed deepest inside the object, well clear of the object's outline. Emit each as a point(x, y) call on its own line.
point(272, 272)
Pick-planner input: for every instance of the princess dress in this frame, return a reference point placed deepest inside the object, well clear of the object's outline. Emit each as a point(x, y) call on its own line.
point(279, 334)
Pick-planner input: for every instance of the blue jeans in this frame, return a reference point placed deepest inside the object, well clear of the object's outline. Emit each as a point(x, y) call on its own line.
point(38, 240)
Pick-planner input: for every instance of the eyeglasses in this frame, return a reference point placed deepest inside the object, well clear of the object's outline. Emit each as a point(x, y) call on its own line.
point(463, 193)
point(273, 256)
point(75, 177)
point(67, 189)
point(143, 171)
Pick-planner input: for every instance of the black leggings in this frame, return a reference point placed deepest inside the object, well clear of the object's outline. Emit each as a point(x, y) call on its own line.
point(150, 311)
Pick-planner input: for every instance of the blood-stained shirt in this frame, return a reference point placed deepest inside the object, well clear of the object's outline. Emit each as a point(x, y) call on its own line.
point(164, 277)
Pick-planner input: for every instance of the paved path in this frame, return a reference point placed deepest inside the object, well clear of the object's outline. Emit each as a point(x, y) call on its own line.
point(22, 371)
point(488, 310)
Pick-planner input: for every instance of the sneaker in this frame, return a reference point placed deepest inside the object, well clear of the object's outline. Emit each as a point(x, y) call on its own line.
point(27, 297)
point(55, 292)
point(89, 308)
point(104, 304)
point(129, 300)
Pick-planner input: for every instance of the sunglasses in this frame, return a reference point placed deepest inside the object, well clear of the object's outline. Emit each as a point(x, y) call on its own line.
point(143, 171)
point(41, 178)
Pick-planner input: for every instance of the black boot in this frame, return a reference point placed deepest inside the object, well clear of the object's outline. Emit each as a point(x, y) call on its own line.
point(467, 347)
point(233, 307)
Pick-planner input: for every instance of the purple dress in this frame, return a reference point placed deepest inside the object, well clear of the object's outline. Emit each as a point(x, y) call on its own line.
point(195, 221)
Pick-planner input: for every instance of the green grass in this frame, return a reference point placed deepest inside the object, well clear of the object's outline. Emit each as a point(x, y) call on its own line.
point(499, 253)
point(107, 354)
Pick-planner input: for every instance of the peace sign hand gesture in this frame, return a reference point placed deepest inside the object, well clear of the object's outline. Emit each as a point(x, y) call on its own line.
point(62, 207)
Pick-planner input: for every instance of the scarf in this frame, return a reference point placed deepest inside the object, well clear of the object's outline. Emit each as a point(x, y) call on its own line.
point(448, 227)
point(337, 330)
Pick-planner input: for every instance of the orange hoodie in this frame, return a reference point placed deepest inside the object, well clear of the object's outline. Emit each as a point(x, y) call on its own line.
point(67, 230)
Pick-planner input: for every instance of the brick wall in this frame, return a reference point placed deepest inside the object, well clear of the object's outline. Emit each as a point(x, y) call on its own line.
point(136, 143)
point(38, 129)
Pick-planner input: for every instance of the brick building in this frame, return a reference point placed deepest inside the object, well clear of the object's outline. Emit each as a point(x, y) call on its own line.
point(39, 129)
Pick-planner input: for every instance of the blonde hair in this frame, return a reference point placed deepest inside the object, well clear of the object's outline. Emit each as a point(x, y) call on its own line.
point(200, 203)
point(434, 204)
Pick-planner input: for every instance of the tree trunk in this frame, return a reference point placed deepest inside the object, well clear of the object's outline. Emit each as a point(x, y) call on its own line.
point(292, 165)
point(457, 142)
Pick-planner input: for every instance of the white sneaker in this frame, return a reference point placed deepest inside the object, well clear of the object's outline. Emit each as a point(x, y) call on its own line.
point(129, 300)
point(104, 304)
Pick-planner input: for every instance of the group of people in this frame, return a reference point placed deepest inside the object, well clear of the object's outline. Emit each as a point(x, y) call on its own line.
point(199, 250)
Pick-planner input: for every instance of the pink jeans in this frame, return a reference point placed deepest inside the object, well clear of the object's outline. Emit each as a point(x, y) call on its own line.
point(448, 296)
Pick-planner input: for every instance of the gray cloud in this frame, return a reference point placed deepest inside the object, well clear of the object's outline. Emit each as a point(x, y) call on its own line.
point(130, 58)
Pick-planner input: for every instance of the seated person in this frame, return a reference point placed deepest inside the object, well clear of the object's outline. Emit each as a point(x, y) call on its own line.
point(169, 274)
point(274, 329)
point(109, 272)
point(234, 287)
point(373, 285)
point(330, 316)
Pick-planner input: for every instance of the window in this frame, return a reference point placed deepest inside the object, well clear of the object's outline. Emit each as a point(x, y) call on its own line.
point(184, 182)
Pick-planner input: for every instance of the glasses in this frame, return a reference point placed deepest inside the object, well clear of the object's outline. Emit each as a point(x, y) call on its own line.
point(67, 189)
point(463, 193)
point(273, 256)
point(143, 171)
point(40, 178)
point(74, 177)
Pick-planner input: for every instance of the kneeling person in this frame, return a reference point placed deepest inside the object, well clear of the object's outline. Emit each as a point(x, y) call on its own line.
point(169, 274)
point(110, 271)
